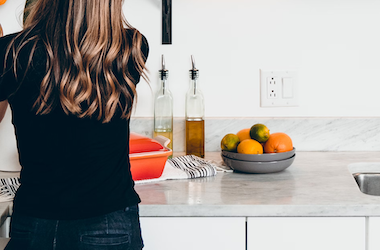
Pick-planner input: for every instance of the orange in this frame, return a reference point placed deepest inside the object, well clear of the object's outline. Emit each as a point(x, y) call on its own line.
point(229, 142)
point(244, 134)
point(250, 146)
point(2, 2)
point(259, 132)
point(278, 143)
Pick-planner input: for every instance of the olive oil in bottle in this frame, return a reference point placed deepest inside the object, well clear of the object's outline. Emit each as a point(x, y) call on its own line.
point(163, 107)
point(195, 127)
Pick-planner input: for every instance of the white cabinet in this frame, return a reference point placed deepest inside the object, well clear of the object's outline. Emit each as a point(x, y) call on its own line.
point(373, 233)
point(311, 233)
point(261, 233)
point(189, 233)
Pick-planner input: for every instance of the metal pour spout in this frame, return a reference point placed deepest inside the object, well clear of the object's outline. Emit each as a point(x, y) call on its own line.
point(194, 73)
point(163, 63)
point(193, 62)
point(163, 71)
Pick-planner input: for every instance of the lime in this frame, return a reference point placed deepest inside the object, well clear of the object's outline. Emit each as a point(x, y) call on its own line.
point(230, 142)
point(259, 132)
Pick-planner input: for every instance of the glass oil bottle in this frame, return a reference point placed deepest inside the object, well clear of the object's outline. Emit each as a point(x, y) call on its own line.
point(195, 126)
point(163, 107)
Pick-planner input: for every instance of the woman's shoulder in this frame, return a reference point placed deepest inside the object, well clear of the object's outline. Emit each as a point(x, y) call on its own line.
point(4, 45)
point(5, 40)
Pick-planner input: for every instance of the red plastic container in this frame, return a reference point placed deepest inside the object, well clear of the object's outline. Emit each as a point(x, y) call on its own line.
point(147, 156)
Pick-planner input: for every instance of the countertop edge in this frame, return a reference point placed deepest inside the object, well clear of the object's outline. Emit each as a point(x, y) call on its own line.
point(260, 211)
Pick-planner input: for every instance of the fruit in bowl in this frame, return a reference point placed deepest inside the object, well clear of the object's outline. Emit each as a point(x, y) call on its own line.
point(259, 132)
point(257, 140)
point(256, 150)
point(244, 134)
point(250, 146)
point(230, 142)
point(278, 143)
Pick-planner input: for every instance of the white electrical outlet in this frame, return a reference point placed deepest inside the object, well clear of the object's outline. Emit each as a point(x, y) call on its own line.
point(278, 88)
point(272, 88)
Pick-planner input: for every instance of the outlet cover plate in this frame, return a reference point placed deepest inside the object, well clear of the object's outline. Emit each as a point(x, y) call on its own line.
point(278, 88)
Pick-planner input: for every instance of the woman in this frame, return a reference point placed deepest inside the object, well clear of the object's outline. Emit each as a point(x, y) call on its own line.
point(69, 78)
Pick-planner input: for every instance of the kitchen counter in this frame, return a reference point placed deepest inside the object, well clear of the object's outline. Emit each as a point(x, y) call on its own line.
point(316, 184)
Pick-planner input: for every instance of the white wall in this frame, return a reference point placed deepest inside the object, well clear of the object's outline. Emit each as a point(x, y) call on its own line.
point(333, 44)
point(11, 15)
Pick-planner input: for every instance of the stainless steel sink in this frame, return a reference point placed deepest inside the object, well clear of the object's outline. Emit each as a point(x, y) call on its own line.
point(369, 183)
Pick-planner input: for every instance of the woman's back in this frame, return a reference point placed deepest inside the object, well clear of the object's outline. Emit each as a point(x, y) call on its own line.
point(71, 167)
point(70, 79)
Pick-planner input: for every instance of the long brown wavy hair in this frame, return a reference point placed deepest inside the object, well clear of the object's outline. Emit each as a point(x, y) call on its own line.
point(88, 52)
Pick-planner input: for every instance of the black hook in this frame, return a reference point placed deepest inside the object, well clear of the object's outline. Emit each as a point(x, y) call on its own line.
point(166, 21)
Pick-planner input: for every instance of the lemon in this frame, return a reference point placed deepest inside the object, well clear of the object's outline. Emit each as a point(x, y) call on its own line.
point(230, 142)
point(244, 134)
point(250, 146)
point(259, 132)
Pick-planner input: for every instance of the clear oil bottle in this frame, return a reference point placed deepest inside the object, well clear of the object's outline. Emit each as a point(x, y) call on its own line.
point(195, 124)
point(163, 107)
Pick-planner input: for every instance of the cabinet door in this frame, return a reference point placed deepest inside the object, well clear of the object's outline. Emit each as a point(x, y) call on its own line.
point(373, 233)
point(311, 233)
point(189, 233)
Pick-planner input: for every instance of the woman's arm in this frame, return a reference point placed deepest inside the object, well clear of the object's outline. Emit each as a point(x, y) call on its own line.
point(3, 108)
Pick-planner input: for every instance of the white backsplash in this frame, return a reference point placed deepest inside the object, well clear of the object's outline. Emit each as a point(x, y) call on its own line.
point(308, 134)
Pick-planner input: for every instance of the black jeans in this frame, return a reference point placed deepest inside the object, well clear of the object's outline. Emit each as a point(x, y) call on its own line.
point(119, 230)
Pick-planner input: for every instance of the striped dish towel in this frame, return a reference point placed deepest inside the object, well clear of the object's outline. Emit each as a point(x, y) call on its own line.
point(185, 167)
point(8, 188)
point(193, 166)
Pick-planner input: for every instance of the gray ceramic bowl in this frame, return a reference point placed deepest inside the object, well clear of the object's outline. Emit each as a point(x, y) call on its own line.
point(255, 167)
point(260, 157)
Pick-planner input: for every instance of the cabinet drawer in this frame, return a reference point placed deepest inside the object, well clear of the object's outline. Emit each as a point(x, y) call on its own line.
point(189, 233)
point(312, 233)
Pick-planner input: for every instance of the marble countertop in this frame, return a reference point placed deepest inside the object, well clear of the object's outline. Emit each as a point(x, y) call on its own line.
point(316, 184)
